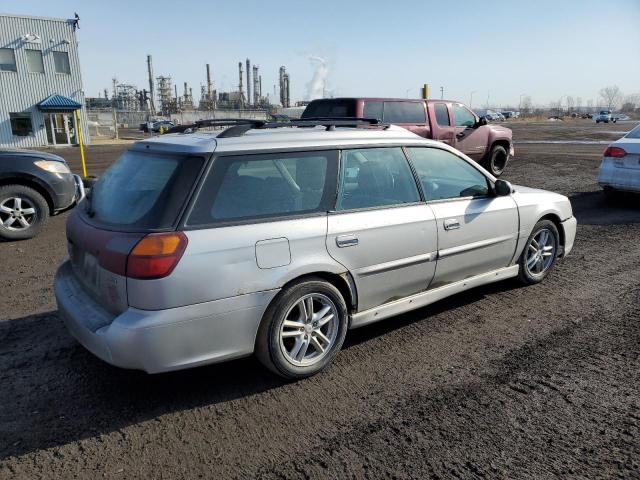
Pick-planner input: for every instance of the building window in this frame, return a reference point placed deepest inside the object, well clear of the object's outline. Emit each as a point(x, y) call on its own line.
point(7, 60)
point(21, 124)
point(61, 60)
point(34, 61)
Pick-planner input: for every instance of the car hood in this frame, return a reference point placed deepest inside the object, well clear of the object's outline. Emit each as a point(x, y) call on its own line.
point(502, 131)
point(16, 152)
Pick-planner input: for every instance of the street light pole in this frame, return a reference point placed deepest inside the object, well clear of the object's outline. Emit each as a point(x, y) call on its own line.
point(441, 93)
point(471, 99)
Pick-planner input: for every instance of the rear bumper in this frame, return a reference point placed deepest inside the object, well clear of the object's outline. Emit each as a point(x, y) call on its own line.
point(620, 178)
point(163, 340)
point(569, 227)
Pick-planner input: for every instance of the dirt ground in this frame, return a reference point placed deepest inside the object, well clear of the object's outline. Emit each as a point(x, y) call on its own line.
point(498, 382)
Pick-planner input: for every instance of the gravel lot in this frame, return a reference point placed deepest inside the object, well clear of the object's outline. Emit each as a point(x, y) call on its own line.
point(498, 382)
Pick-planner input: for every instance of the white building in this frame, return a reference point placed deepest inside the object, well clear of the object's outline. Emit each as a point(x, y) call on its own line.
point(40, 82)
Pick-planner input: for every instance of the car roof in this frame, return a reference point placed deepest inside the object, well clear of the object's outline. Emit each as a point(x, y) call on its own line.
point(281, 138)
point(386, 99)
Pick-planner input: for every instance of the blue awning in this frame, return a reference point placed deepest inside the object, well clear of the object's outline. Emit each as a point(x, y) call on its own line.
point(58, 103)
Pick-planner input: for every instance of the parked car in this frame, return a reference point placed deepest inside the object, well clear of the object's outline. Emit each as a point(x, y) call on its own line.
point(620, 166)
point(201, 247)
point(605, 116)
point(157, 125)
point(447, 121)
point(33, 186)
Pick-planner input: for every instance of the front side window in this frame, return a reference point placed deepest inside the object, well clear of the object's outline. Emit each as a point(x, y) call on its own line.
point(375, 177)
point(245, 187)
point(404, 112)
point(7, 60)
point(463, 116)
point(34, 61)
point(444, 175)
point(21, 124)
point(442, 115)
point(61, 61)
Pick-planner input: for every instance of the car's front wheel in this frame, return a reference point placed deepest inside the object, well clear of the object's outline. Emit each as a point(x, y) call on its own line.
point(497, 160)
point(23, 212)
point(540, 253)
point(303, 329)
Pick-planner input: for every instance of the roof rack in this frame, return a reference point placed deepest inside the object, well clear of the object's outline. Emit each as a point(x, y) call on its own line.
point(238, 127)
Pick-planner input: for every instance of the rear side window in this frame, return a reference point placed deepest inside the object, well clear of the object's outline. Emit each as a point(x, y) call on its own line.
point(247, 187)
point(330, 108)
point(404, 112)
point(462, 116)
point(372, 109)
point(143, 190)
point(444, 175)
point(635, 133)
point(442, 115)
point(375, 177)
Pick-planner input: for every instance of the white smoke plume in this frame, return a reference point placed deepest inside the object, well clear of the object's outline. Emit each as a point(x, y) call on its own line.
point(317, 87)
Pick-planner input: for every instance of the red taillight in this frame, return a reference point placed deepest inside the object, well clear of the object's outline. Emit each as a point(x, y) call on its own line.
point(615, 152)
point(156, 255)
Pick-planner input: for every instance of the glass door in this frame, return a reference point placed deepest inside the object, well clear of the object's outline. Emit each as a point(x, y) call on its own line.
point(61, 128)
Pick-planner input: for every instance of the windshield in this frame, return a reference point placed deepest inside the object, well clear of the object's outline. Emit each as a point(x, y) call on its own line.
point(635, 133)
point(143, 190)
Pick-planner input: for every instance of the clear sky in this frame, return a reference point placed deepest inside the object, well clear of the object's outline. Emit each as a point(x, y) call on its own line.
point(499, 49)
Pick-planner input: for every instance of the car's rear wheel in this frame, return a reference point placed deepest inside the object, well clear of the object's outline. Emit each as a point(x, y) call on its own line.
point(303, 329)
point(497, 160)
point(540, 253)
point(23, 212)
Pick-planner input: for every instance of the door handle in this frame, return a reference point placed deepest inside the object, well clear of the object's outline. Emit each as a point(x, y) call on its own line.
point(451, 224)
point(349, 240)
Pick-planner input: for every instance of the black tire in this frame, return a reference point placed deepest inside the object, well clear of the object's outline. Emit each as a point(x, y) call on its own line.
point(497, 160)
point(270, 347)
point(611, 194)
point(29, 199)
point(525, 274)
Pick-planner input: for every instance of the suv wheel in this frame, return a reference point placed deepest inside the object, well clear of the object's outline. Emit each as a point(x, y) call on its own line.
point(540, 253)
point(23, 212)
point(497, 160)
point(303, 329)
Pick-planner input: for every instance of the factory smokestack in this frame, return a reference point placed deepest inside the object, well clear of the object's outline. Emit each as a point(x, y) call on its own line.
point(151, 86)
point(249, 98)
point(240, 86)
point(256, 86)
point(209, 82)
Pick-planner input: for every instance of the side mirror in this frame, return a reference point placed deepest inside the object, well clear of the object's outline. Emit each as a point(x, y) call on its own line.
point(481, 122)
point(503, 188)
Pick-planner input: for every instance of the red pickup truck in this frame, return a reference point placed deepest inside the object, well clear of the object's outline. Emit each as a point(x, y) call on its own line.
point(443, 120)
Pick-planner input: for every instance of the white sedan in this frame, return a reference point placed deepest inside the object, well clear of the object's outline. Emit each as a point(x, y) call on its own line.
point(620, 167)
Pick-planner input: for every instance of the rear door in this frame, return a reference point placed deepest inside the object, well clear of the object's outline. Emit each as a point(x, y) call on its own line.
point(442, 127)
point(408, 114)
point(380, 230)
point(469, 140)
point(477, 232)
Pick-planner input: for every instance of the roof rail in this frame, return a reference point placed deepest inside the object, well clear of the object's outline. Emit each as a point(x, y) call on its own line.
point(238, 127)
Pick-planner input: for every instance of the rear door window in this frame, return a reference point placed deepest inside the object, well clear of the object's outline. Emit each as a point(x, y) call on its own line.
point(442, 115)
point(330, 108)
point(404, 112)
point(372, 109)
point(256, 187)
point(375, 177)
point(143, 190)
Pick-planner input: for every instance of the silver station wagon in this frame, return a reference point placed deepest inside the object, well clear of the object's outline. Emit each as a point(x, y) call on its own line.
point(204, 246)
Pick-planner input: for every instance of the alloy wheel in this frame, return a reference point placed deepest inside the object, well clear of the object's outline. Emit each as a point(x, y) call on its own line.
point(17, 213)
point(541, 252)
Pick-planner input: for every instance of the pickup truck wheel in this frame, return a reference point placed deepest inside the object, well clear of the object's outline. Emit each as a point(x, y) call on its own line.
point(23, 212)
point(539, 254)
point(497, 160)
point(303, 329)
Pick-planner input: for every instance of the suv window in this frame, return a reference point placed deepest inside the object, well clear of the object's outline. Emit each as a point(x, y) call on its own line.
point(330, 108)
point(143, 190)
point(444, 175)
point(404, 112)
point(372, 109)
point(243, 187)
point(374, 177)
point(442, 115)
point(463, 116)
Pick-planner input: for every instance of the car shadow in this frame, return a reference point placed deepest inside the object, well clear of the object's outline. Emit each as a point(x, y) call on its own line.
point(593, 208)
point(55, 392)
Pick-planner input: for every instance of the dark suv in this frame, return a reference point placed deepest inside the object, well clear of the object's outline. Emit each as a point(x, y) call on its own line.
point(33, 186)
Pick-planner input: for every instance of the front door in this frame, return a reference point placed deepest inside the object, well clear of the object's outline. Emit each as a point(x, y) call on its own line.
point(61, 128)
point(469, 139)
point(380, 230)
point(477, 231)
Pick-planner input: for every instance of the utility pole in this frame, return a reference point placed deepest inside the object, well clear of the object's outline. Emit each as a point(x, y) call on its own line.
point(520, 102)
point(471, 98)
point(441, 93)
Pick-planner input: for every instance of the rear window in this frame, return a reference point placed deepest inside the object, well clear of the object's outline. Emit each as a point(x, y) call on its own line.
point(143, 190)
point(330, 108)
point(404, 112)
point(255, 187)
point(635, 133)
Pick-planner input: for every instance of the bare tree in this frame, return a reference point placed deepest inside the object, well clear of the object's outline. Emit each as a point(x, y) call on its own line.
point(570, 104)
point(579, 103)
point(589, 105)
point(630, 103)
point(611, 96)
point(526, 106)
